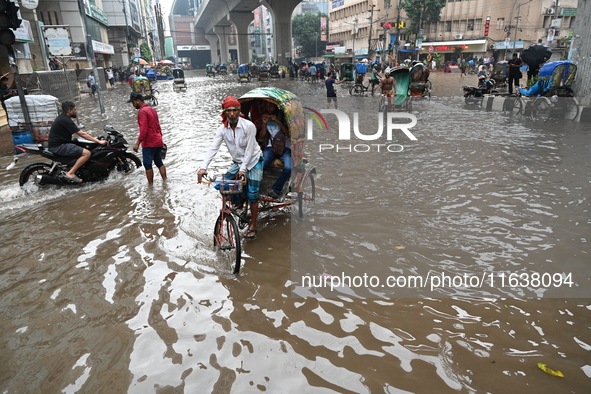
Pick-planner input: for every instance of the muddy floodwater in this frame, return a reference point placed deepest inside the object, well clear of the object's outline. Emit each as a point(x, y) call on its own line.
point(115, 287)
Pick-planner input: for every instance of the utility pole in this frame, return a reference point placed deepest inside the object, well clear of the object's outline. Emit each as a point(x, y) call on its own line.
point(397, 40)
point(127, 40)
point(384, 53)
point(420, 33)
point(370, 30)
point(354, 37)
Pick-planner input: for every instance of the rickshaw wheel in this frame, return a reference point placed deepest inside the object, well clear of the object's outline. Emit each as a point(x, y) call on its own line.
point(513, 106)
point(226, 238)
point(307, 197)
point(541, 109)
point(571, 109)
point(356, 90)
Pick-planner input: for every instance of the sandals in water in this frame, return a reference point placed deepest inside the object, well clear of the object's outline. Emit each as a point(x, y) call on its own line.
point(73, 179)
point(252, 232)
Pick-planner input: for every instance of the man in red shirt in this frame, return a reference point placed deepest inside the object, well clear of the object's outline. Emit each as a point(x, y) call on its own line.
point(150, 137)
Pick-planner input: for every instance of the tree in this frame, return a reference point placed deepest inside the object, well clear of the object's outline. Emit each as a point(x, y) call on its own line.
point(145, 51)
point(431, 12)
point(306, 33)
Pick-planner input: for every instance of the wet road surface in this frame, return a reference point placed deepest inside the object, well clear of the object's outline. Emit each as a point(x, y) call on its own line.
point(115, 287)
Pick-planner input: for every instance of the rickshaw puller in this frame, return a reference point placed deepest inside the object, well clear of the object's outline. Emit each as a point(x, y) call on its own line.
point(239, 134)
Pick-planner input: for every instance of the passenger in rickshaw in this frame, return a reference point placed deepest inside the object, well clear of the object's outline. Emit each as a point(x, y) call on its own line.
point(388, 86)
point(239, 134)
point(277, 144)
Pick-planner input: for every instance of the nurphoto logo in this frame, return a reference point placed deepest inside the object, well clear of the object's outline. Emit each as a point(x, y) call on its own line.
point(345, 131)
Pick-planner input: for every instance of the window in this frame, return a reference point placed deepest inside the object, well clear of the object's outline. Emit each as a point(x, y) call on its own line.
point(500, 23)
point(470, 24)
point(448, 26)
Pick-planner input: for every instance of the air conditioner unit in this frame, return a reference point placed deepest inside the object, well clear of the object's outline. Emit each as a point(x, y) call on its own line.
point(550, 11)
point(459, 36)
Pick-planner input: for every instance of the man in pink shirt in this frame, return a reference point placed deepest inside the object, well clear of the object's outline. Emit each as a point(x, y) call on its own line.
point(150, 137)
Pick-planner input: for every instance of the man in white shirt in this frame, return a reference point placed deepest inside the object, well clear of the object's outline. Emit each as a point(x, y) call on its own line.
point(239, 135)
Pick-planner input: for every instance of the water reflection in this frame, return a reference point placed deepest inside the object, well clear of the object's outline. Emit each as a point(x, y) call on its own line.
point(116, 287)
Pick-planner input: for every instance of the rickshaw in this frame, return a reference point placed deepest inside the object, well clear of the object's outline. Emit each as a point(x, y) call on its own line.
point(263, 73)
point(233, 68)
point(209, 70)
point(401, 100)
point(243, 74)
point(420, 86)
point(274, 72)
point(499, 74)
point(253, 70)
point(299, 192)
point(151, 75)
point(142, 85)
point(178, 82)
point(223, 69)
point(347, 71)
point(552, 94)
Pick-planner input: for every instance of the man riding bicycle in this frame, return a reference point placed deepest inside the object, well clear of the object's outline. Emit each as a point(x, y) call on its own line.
point(388, 86)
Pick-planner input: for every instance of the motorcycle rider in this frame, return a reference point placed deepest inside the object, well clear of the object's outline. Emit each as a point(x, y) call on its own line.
point(60, 139)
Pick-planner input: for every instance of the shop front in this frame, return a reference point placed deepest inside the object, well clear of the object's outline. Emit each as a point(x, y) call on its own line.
point(103, 53)
point(469, 49)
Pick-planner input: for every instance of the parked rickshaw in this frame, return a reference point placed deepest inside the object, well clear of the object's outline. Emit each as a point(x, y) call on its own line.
point(499, 74)
point(223, 69)
point(254, 70)
point(142, 85)
point(178, 82)
point(552, 95)
point(299, 192)
point(233, 68)
point(347, 71)
point(209, 70)
point(263, 73)
point(420, 86)
point(151, 75)
point(243, 73)
point(401, 100)
point(274, 72)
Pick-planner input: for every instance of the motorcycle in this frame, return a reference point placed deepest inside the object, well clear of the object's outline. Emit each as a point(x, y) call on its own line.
point(474, 95)
point(103, 160)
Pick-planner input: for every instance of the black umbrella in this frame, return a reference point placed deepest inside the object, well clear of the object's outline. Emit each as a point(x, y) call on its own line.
point(536, 54)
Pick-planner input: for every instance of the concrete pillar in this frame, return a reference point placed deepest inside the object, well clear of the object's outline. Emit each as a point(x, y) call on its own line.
point(222, 33)
point(241, 20)
point(281, 11)
point(213, 47)
point(579, 53)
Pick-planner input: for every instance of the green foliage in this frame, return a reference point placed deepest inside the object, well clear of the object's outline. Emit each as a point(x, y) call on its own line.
point(431, 12)
point(306, 33)
point(533, 81)
point(145, 51)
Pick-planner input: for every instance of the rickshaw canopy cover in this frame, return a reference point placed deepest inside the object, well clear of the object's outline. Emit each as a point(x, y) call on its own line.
point(291, 107)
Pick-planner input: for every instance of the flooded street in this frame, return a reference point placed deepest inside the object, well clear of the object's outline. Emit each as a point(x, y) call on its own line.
point(115, 287)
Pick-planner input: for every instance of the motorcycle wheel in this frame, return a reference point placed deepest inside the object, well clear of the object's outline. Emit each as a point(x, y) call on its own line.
point(128, 164)
point(28, 179)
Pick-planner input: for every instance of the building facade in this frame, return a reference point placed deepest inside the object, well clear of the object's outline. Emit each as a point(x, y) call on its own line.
point(473, 28)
